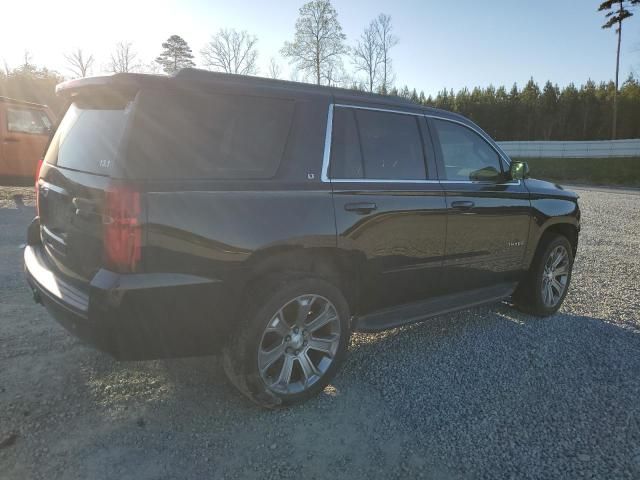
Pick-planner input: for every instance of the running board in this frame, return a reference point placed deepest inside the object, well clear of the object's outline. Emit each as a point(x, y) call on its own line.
point(419, 311)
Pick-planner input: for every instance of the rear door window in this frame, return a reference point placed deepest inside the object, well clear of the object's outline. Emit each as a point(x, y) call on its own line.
point(195, 135)
point(346, 158)
point(376, 145)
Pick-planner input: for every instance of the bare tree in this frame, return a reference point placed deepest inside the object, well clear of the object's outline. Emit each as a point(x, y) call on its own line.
point(124, 59)
point(151, 67)
point(318, 42)
point(386, 41)
point(335, 75)
point(275, 70)
point(368, 55)
point(79, 64)
point(232, 51)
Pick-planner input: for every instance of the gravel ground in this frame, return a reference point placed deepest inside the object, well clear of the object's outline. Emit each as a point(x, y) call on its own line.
point(484, 393)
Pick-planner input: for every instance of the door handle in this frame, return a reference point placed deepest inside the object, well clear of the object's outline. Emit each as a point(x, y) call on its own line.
point(11, 140)
point(462, 204)
point(360, 208)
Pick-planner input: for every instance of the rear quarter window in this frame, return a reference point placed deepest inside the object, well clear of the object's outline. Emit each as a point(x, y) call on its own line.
point(177, 135)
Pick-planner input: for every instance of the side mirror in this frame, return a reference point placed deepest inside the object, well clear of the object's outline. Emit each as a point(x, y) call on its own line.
point(519, 170)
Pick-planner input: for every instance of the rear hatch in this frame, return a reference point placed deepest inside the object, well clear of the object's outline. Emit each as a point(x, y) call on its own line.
point(82, 201)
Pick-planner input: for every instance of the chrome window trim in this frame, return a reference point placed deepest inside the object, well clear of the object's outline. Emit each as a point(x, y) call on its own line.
point(324, 176)
point(375, 109)
point(517, 182)
point(380, 180)
point(373, 180)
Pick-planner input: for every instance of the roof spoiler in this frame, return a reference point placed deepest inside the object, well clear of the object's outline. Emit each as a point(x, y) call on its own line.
point(125, 83)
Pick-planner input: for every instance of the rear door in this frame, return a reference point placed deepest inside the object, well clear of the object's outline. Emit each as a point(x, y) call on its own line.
point(26, 133)
point(488, 215)
point(80, 163)
point(390, 209)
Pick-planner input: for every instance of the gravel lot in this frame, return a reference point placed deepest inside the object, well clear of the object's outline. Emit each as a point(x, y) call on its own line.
point(484, 393)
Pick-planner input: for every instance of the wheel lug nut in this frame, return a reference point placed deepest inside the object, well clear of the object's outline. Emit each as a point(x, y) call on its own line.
point(287, 338)
point(297, 352)
point(295, 329)
point(304, 344)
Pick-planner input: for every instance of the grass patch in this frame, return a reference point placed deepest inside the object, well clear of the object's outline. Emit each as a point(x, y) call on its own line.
point(595, 171)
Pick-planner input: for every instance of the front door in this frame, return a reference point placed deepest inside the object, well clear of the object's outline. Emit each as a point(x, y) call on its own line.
point(488, 214)
point(390, 215)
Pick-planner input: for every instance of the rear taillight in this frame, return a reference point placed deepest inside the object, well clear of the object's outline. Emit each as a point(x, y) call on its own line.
point(38, 187)
point(122, 230)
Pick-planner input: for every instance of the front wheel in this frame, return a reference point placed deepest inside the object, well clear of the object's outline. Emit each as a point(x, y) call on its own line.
point(290, 340)
point(543, 290)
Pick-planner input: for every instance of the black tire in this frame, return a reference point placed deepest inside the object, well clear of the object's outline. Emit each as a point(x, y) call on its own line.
point(529, 296)
point(262, 302)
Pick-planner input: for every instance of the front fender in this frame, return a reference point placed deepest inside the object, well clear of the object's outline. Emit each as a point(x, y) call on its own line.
point(549, 213)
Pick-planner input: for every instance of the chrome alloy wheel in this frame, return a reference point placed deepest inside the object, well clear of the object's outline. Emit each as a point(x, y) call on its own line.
point(299, 344)
point(555, 276)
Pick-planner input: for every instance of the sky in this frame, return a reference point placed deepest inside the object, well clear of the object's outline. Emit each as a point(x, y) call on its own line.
point(441, 44)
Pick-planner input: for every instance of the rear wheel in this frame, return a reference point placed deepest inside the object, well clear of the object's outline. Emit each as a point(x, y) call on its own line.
point(290, 340)
point(545, 287)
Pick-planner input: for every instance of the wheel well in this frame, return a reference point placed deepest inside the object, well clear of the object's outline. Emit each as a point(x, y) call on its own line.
point(570, 232)
point(333, 265)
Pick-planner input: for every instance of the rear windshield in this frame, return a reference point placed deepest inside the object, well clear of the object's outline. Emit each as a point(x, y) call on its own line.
point(187, 134)
point(88, 139)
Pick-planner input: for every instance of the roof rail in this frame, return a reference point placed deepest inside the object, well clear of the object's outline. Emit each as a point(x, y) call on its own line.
point(20, 102)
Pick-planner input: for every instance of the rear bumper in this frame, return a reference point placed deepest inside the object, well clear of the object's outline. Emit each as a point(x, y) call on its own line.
point(136, 316)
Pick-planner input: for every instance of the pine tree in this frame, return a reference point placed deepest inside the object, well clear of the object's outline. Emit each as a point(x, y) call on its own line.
point(616, 17)
point(176, 54)
point(548, 109)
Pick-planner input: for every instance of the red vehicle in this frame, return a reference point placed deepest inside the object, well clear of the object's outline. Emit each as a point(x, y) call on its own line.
point(25, 128)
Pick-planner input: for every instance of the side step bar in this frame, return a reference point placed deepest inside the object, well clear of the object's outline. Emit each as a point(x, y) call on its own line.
point(419, 311)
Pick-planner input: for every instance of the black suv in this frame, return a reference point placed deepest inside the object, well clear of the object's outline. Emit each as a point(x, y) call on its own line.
point(204, 212)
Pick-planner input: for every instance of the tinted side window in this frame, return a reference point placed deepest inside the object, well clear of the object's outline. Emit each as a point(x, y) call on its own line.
point(465, 154)
point(391, 145)
point(28, 120)
point(195, 135)
point(346, 159)
point(376, 145)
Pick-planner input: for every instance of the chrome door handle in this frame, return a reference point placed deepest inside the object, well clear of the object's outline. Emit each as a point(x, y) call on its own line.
point(360, 208)
point(462, 204)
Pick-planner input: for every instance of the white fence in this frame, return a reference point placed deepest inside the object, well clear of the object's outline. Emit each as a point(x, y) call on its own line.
point(591, 149)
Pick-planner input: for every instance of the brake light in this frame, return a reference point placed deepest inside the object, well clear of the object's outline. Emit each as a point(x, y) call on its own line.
point(122, 230)
point(37, 186)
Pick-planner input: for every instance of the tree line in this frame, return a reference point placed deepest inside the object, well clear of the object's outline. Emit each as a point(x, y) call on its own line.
point(550, 113)
point(319, 53)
